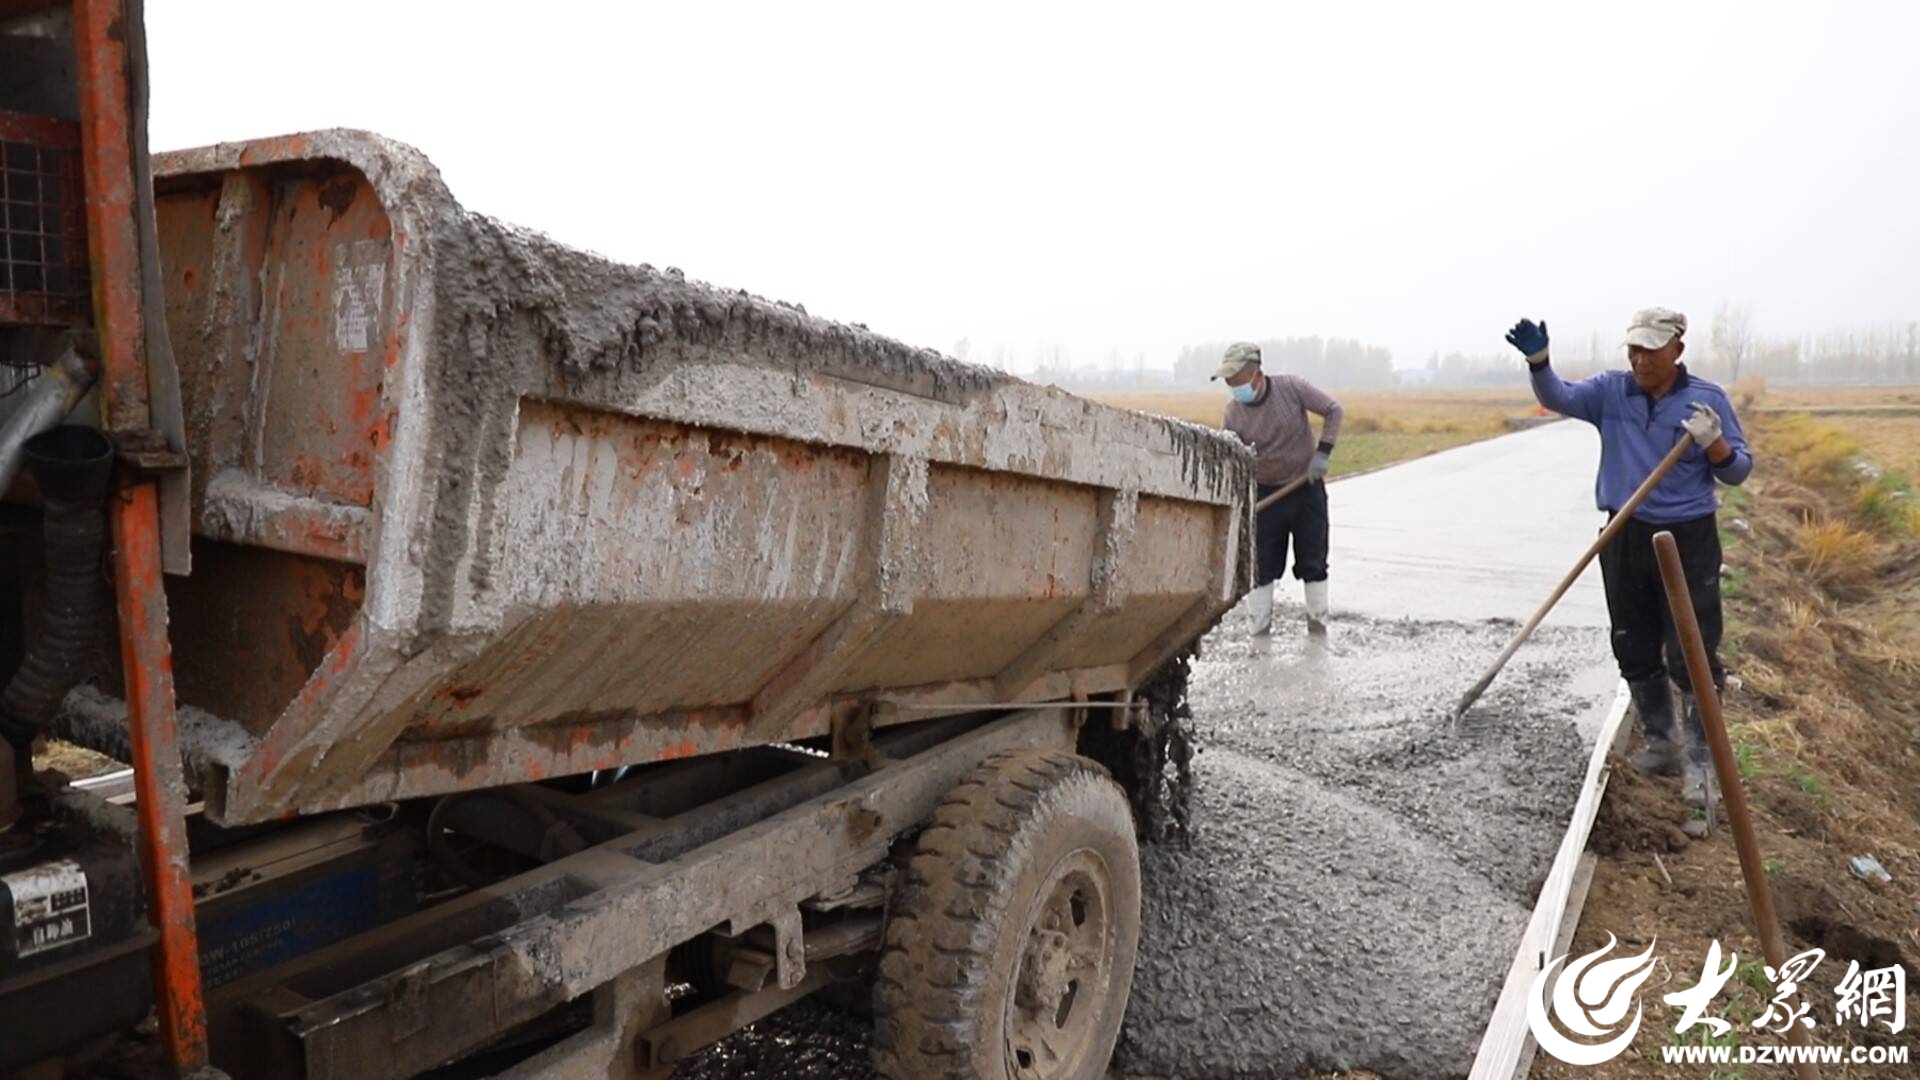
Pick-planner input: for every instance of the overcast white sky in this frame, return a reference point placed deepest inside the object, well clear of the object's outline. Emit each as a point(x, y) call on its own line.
point(1104, 176)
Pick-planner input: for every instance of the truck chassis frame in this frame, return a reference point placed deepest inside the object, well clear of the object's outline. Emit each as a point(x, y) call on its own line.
point(756, 865)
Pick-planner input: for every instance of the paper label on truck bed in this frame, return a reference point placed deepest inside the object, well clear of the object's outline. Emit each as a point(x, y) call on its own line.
point(359, 288)
point(49, 907)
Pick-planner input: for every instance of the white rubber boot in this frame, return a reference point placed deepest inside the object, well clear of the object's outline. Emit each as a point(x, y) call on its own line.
point(1316, 607)
point(1260, 603)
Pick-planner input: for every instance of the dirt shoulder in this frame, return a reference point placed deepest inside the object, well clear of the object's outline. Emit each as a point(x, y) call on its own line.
point(1823, 594)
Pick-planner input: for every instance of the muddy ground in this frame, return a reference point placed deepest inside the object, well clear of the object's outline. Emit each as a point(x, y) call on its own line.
point(1359, 874)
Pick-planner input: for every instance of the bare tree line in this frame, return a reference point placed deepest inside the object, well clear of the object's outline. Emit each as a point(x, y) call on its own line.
point(1730, 350)
point(1325, 361)
point(1727, 349)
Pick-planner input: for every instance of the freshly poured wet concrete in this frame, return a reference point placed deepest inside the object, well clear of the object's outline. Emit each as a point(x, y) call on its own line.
point(1360, 871)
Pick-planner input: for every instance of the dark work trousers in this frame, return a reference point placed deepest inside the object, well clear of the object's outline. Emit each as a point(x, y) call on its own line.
point(1301, 516)
point(1644, 641)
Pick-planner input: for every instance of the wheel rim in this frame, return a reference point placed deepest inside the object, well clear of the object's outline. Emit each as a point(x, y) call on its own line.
point(1066, 960)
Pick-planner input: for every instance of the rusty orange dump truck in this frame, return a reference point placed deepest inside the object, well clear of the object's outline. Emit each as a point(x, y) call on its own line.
point(557, 664)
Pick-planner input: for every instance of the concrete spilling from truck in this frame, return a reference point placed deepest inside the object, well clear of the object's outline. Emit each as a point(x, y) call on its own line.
point(1359, 874)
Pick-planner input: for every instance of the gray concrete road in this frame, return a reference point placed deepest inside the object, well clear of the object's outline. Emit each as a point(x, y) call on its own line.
point(1478, 532)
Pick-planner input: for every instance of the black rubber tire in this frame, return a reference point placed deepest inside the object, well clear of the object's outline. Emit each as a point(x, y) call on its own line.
point(960, 924)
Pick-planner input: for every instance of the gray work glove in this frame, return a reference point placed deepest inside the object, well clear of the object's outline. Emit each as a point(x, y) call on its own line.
point(1317, 468)
point(1703, 425)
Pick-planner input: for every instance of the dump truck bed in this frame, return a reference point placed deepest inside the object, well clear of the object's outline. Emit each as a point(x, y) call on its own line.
point(472, 508)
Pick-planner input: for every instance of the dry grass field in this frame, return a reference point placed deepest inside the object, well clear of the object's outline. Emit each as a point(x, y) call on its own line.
point(1819, 397)
point(1384, 427)
point(1381, 427)
point(1891, 442)
point(1876, 453)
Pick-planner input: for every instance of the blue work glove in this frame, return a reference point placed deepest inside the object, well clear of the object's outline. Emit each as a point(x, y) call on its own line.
point(1530, 338)
point(1317, 468)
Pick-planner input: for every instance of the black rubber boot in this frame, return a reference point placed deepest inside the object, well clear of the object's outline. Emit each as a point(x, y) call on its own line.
point(1653, 700)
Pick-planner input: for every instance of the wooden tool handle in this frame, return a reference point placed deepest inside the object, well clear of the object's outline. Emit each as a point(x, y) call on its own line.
point(1278, 495)
point(1686, 627)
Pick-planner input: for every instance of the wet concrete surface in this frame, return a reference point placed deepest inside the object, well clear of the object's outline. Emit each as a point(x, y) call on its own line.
point(1360, 871)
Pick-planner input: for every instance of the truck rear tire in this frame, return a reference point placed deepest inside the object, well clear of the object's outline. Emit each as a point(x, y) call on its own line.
point(1010, 949)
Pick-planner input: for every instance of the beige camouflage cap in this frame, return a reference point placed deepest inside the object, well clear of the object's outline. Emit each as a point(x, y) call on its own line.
point(1655, 326)
point(1238, 355)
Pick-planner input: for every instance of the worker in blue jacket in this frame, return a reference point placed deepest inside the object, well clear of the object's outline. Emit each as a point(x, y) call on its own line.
point(1641, 414)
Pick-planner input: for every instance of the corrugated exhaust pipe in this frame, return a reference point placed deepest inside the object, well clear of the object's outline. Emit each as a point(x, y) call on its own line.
point(72, 465)
point(49, 398)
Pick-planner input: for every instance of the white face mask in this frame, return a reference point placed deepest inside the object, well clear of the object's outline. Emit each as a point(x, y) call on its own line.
point(1244, 394)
